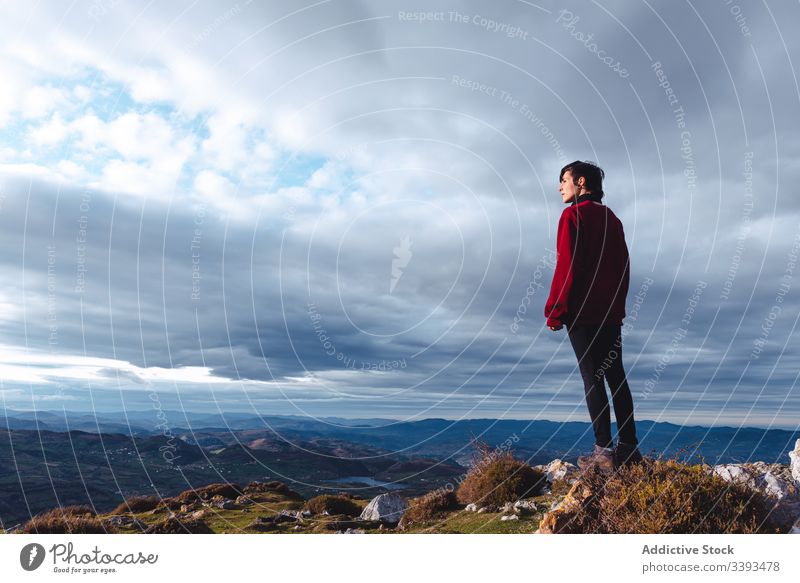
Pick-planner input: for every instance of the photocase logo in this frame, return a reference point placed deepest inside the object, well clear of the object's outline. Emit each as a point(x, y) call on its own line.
point(402, 255)
point(31, 556)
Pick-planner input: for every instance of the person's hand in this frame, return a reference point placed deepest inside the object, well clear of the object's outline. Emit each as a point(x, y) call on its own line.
point(554, 328)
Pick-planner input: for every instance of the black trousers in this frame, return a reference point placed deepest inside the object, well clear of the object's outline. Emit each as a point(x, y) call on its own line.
point(599, 352)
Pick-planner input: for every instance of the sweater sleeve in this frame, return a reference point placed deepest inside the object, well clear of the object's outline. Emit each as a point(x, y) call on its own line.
point(626, 274)
point(556, 309)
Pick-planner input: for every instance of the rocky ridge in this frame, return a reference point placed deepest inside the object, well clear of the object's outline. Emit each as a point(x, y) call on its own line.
point(272, 507)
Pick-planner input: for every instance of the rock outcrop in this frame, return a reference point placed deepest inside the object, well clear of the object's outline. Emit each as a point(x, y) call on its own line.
point(794, 465)
point(561, 517)
point(558, 470)
point(776, 481)
point(387, 507)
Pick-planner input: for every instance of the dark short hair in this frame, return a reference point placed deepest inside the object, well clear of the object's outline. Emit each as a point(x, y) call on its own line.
point(591, 172)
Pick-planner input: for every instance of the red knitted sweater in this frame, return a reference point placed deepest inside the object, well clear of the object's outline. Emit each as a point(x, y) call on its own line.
point(590, 283)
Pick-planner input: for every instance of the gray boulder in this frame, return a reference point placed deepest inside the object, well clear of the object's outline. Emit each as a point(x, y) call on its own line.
point(388, 507)
point(794, 463)
point(557, 470)
point(774, 480)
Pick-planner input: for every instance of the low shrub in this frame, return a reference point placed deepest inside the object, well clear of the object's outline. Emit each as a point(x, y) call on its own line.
point(429, 506)
point(669, 497)
point(334, 504)
point(225, 490)
point(67, 520)
point(273, 486)
point(175, 526)
point(497, 477)
point(137, 504)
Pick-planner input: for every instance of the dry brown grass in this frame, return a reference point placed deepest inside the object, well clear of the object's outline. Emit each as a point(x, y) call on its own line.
point(669, 497)
point(334, 504)
point(497, 477)
point(225, 490)
point(275, 486)
point(429, 506)
point(174, 525)
point(67, 520)
point(137, 504)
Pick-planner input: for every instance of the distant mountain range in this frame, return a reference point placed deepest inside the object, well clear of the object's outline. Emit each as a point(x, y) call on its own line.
point(53, 458)
point(541, 440)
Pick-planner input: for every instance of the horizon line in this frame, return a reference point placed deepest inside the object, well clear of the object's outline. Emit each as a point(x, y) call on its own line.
point(402, 420)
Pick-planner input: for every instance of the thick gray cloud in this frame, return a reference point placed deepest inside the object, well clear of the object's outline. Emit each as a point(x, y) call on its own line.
point(367, 192)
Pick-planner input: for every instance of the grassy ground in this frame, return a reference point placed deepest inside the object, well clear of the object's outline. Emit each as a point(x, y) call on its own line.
point(268, 504)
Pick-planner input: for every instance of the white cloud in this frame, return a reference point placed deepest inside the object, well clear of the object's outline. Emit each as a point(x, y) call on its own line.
point(13, 86)
point(155, 179)
point(42, 100)
point(19, 374)
point(90, 129)
point(226, 147)
point(329, 177)
point(135, 136)
point(28, 170)
point(37, 366)
point(73, 172)
point(292, 130)
point(139, 153)
point(214, 187)
point(218, 191)
point(50, 133)
point(82, 93)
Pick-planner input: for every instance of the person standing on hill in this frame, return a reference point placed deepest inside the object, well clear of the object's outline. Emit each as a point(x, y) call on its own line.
point(587, 295)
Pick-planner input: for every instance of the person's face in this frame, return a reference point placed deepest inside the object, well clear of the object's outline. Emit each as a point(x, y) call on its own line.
point(569, 190)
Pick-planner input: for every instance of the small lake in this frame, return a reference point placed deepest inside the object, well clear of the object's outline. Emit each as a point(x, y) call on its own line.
point(368, 481)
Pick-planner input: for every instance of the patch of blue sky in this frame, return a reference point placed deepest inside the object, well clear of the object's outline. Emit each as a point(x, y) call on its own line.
point(291, 169)
point(14, 134)
point(197, 125)
point(15, 137)
point(111, 99)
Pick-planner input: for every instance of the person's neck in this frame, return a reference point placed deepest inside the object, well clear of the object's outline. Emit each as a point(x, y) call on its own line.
point(586, 196)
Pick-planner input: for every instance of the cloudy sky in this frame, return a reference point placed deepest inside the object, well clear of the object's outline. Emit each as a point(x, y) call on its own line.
point(349, 208)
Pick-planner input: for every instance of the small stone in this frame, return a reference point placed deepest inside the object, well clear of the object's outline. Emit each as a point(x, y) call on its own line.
point(527, 506)
point(285, 516)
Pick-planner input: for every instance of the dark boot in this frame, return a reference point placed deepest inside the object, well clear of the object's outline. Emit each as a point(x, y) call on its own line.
point(626, 454)
point(601, 457)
